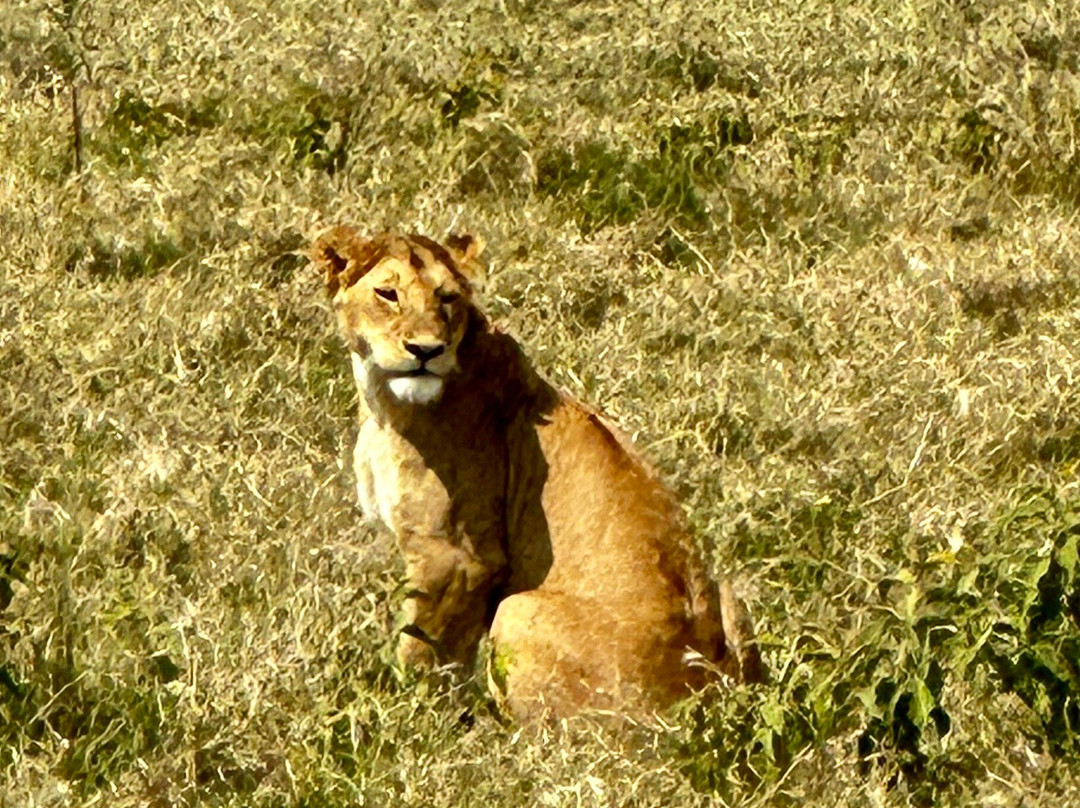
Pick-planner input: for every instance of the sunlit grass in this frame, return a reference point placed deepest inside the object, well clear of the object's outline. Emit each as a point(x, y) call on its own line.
point(819, 259)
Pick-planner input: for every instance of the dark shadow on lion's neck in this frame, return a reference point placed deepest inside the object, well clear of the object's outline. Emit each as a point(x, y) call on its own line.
point(485, 420)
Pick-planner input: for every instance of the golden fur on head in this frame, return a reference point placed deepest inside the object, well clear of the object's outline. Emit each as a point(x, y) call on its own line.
point(518, 510)
point(345, 257)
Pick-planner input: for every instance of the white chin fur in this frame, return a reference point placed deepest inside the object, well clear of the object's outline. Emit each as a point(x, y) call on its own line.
point(416, 389)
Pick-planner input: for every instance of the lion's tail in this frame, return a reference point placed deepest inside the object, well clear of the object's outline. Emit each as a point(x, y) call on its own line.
point(724, 632)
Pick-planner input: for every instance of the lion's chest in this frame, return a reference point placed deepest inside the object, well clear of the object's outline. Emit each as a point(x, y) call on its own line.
point(394, 485)
point(443, 490)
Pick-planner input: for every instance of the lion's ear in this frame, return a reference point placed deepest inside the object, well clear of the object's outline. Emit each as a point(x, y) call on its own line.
point(339, 254)
point(466, 250)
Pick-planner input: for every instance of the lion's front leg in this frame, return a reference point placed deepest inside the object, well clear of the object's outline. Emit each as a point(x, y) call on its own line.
point(446, 605)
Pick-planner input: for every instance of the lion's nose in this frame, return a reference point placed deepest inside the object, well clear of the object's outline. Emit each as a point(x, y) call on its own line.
point(424, 352)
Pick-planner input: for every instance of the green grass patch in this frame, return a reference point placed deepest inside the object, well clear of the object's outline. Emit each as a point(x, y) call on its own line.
point(134, 126)
point(603, 185)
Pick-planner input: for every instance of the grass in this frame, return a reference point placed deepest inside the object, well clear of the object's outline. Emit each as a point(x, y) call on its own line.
point(818, 258)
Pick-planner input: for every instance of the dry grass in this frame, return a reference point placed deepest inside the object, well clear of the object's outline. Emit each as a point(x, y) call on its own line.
point(821, 259)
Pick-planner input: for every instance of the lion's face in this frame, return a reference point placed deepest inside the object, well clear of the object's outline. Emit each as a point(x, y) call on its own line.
point(403, 305)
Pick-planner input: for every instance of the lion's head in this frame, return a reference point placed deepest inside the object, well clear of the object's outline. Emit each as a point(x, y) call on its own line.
point(403, 304)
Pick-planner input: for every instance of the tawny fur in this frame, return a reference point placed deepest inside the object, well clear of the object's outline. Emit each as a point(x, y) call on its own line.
point(518, 510)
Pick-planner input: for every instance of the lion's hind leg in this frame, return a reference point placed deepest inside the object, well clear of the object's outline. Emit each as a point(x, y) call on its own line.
point(554, 655)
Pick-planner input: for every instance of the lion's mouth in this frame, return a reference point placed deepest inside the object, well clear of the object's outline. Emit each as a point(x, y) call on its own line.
point(423, 368)
point(415, 373)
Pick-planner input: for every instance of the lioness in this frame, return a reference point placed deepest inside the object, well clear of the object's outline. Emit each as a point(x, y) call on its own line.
point(518, 510)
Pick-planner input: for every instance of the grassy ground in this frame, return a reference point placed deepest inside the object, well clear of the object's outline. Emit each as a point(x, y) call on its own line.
point(819, 258)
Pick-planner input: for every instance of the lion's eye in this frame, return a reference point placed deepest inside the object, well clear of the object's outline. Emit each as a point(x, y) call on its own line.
point(387, 294)
point(448, 297)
